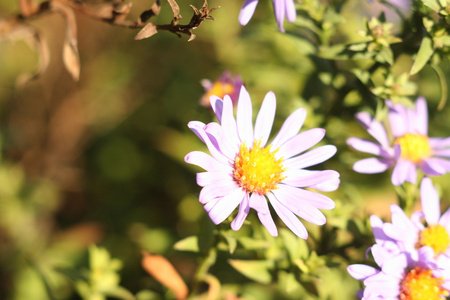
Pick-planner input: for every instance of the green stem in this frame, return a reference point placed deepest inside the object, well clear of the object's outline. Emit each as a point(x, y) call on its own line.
point(207, 262)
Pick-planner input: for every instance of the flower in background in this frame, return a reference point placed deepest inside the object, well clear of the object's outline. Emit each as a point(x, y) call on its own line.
point(224, 85)
point(243, 170)
point(411, 234)
point(282, 9)
point(401, 276)
point(411, 148)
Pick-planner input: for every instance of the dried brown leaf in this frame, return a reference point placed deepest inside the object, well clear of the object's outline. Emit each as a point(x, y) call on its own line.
point(175, 7)
point(36, 41)
point(154, 11)
point(163, 271)
point(147, 31)
point(71, 56)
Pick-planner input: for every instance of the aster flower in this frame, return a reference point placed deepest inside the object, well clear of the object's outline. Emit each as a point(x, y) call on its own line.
point(282, 9)
point(243, 170)
point(411, 148)
point(410, 234)
point(224, 85)
point(401, 276)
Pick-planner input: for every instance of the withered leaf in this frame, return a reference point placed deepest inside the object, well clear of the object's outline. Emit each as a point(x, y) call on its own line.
point(175, 7)
point(35, 40)
point(154, 11)
point(164, 272)
point(71, 56)
point(147, 31)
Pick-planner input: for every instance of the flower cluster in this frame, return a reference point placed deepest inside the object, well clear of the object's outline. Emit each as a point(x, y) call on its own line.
point(414, 258)
point(244, 170)
point(224, 85)
point(411, 148)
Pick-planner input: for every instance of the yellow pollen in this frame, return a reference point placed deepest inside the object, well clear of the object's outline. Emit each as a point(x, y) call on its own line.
point(257, 170)
point(435, 237)
point(220, 89)
point(415, 147)
point(420, 284)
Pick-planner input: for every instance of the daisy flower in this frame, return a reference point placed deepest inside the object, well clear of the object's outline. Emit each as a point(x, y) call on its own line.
point(401, 277)
point(244, 170)
point(412, 233)
point(282, 9)
point(224, 85)
point(410, 149)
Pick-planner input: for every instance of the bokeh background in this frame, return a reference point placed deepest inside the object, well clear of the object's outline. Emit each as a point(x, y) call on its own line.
point(100, 160)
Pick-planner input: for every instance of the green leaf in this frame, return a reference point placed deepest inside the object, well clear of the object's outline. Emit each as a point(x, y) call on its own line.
point(423, 56)
point(187, 244)
point(296, 247)
point(252, 244)
point(385, 56)
point(433, 4)
point(257, 270)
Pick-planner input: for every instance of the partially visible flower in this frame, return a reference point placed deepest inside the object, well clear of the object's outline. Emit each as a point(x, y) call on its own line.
point(224, 85)
point(282, 9)
point(244, 171)
point(411, 234)
point(401, 276)
point(411, 148)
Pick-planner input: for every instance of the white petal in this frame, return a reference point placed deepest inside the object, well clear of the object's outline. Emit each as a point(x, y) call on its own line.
point(264, 120)
point(430, 201)
point(226, 205)
point(244, 117)
point(290, 128)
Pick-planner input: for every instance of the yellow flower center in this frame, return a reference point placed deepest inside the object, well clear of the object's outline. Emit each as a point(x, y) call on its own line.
point(415, 147)
point(420, 284)
point(435, 237)
point(257, 170)
point(220, 89)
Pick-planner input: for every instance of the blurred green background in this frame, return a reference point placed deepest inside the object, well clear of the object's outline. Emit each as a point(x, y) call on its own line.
point(100, 161)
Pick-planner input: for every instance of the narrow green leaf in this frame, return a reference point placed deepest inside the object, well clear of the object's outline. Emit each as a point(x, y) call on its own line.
point(433, 4)
point(187, 244)
point(425, 52)
point(258, 270)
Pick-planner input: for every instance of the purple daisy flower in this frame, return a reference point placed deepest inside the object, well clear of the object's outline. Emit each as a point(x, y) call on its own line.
point(224, 85)
point(282, 9)
point(411, 148)
point(410, 234)
point(243, 170)
point(401, 276)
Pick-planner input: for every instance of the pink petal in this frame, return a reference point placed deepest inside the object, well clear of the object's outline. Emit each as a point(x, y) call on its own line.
point(227, 147)
point(205, 161)
point(398, 119)
point(290, 128)
point(361, 272)
point(226, 205)
point(259, 203)
point(206, 178)
point(291, 12)
point(364, 145)
point(371, 165)
point(301, 142)
point(217, 189)
point(317, 200)
point(288, 217)
point(279, 9)
point(198, 129)
point(421, 116)
point(244, 117)
point(327, 186)
point(435, 166)
point(229, 123)
point(404, 171)
point(439, 143)
point(430, 201)
point(217, 106)
point(374, 128)
point(244, 209)
point(306, 178)
point(264, 120)
point(311, 158)
point(247, 11)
